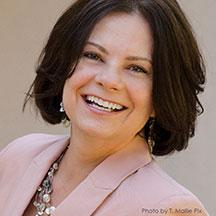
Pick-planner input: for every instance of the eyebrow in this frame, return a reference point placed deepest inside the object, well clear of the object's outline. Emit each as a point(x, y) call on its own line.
point(130, 58)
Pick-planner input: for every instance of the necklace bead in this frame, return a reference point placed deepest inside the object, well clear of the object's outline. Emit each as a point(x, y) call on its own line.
point(46, 198)
point(42, 200)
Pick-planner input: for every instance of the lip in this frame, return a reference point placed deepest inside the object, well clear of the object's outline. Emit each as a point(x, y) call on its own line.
point(84, 95)
point(97, 111)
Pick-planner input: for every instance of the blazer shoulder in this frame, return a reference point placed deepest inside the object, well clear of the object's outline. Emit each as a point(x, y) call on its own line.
point(27, 146)
point(161, 181)
point(164, 192)
point(148, 190)
point(151, 186)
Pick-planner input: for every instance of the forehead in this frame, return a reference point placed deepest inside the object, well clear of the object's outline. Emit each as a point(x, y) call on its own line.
point(126, 32)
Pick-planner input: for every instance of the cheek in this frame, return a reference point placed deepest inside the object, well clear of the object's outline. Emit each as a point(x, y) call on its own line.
point(68, 97)
point(144, 103)
point(141, 96)
point(81, 76)
point(73, 86)
point(70, 92)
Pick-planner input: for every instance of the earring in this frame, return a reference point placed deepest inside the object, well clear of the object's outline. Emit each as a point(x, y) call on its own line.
point(61, 107)
point(65, 121)
point(151, 141)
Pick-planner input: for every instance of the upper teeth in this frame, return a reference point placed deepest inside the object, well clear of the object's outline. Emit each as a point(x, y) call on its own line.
point(104, 103)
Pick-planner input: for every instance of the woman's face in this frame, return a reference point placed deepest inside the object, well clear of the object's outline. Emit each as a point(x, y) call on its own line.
point(114, 72)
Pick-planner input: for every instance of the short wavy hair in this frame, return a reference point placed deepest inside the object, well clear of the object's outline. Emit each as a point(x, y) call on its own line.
point(178, 67)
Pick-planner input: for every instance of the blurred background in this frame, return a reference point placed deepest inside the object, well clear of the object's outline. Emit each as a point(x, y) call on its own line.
point(24, 28)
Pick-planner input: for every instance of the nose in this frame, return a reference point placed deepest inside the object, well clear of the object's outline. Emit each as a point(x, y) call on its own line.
point(110, 79)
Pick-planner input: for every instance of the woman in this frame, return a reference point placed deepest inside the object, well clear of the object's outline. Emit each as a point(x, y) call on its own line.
point(126, 74)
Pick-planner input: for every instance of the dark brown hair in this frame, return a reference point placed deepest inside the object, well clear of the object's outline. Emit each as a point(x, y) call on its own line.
point(178, 68)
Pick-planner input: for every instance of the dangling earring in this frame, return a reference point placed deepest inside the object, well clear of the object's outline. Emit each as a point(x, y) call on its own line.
point(65, 121)
point(151, 141)
point(61, 107)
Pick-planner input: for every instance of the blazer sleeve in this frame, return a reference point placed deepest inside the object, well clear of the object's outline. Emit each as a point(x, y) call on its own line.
point(2, 162)
point(11, 151)
point(3, 152)
point(9, 170)
point(6, 157)
point(15, 157)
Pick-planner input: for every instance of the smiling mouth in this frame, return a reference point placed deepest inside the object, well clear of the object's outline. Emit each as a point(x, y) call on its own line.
point(100, 106)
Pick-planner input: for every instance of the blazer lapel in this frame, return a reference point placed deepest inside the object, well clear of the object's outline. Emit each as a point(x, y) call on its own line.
point(33, 177)
point(103, 180)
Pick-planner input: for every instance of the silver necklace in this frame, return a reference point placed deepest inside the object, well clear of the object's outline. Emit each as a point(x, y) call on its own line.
point(42, 200)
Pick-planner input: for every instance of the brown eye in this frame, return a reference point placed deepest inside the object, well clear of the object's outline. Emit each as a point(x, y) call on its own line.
point(92, 56)
point(137, 69)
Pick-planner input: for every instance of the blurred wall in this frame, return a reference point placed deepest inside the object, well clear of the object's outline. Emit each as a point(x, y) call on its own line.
point(24, 28)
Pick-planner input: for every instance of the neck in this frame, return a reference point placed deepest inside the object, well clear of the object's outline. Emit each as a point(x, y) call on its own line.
point(85, 153)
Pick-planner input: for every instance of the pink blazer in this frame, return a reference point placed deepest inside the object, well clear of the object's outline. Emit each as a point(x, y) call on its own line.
point(124, 184)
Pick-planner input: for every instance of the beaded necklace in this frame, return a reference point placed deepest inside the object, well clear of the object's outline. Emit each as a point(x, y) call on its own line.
point(42, 200)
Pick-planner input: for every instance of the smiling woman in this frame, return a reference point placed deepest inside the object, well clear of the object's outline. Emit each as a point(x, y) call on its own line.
point(126, 75)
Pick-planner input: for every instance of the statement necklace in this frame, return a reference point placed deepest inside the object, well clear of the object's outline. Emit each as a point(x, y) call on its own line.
point(42, 200)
